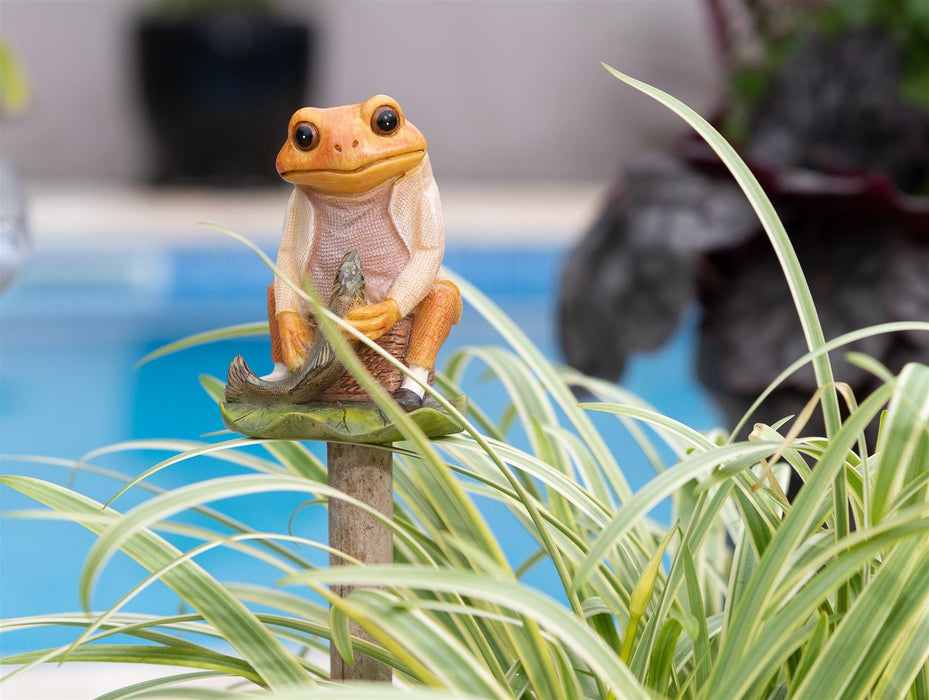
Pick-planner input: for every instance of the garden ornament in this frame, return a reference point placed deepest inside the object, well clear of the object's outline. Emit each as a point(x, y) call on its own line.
point(364, 221)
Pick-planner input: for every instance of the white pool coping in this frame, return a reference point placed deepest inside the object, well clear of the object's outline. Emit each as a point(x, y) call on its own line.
point(68, 215)
point(84, 681)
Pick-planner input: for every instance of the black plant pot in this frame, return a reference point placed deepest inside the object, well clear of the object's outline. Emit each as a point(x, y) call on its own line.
point(218, 92)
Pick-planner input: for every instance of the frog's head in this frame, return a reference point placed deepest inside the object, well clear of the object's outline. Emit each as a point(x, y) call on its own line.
point(350, 149)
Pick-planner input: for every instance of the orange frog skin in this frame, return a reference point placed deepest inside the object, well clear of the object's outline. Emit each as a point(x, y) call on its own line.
point(362, 181)
point(343, 150)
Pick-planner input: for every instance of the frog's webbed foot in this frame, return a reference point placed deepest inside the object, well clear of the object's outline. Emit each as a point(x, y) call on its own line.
point(407, 399)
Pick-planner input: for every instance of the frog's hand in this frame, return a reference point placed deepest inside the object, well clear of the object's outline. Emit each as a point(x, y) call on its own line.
point(374, 320)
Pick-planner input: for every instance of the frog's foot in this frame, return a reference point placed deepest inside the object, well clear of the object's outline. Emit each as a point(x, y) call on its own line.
point(408, 399)
point(280, 371)
point(411, 394)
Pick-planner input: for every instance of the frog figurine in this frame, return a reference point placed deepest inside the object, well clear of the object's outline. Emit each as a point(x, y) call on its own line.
point(362, 183)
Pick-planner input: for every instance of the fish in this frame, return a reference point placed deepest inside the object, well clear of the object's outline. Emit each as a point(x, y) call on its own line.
point(321, 368)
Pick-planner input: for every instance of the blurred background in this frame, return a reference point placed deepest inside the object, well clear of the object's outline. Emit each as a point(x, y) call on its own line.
point(127, 123)
point(503, 90)
point(580, 206)
point(133, 121)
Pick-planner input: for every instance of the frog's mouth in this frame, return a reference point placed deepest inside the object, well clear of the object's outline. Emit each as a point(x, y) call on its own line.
point(398, 158)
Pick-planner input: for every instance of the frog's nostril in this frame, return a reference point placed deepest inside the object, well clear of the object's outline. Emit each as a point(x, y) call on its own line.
point(338, 148)
point(355, 143)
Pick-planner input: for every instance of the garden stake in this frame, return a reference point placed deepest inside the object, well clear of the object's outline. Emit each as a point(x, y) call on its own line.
point(365, 221)
point(365, 474)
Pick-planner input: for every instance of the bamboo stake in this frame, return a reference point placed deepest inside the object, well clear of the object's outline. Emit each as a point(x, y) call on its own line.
point(366, 474)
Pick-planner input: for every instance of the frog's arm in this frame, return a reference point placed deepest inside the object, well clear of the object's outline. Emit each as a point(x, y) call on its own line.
point(294, 251)
point(416, 211)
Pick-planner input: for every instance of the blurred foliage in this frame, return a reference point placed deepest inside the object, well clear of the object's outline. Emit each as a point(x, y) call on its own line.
point(781, 27)
point(14, 88)
point(906, 21)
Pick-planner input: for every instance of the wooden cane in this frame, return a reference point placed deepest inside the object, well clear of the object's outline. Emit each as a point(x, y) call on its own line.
point(366, 474)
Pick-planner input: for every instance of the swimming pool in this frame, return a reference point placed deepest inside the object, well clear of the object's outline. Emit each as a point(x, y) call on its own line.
point(73, 328)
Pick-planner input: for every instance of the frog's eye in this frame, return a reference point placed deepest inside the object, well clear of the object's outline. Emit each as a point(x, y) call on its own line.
point(306, 136)
point(385, 120)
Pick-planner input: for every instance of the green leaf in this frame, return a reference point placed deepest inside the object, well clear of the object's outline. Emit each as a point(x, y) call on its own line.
point(662, 656)
point(14, 88)
point(738, 456)
point(909, 663)
point(642, 594)
point(339, 625)
point(797, 283)
point(401, 627)
point(744, 562)
point(298, 460)
point(195, 451)
point(783, 628)
point(157, 684)
point(229, 541)
point(241, 331)
point(348, 691)
point(550, 616)
point(261, 650)
point(744, 632)
point(835, 343)
point(529, 398)
point(683, 434)
point(215, 388)
point(147, 654)
point(172, 502)
point(812, 650)
point(549, 378)
point(855, 656)
point(700, 635)
point(902, 435)
point(360, 423)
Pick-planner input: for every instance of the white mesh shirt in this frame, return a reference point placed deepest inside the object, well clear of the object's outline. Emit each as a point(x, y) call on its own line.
point(396, 228)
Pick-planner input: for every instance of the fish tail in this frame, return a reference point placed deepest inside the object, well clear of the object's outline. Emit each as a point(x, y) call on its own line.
point(241, 382)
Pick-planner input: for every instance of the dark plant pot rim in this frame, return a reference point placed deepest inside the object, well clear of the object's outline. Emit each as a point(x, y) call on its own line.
point(257, 17)
point(873, 192)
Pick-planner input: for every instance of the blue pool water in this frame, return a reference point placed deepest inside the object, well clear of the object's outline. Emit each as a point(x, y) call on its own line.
point(72, 330)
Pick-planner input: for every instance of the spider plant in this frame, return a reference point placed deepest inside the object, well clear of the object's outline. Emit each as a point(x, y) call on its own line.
point(739, 594)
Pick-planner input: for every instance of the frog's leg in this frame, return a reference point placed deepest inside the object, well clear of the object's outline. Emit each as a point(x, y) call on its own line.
point(277, 354)
point(433, 319)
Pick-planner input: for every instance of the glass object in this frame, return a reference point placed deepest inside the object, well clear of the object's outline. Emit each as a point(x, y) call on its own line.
point(14, 236)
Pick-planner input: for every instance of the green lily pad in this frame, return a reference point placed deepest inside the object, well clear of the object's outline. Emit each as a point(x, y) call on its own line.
point(350, 422)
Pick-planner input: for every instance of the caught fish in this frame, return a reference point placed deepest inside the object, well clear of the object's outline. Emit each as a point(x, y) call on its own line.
point(321, 368)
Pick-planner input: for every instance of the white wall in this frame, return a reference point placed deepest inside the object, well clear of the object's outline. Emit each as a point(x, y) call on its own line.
point(502, 90)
